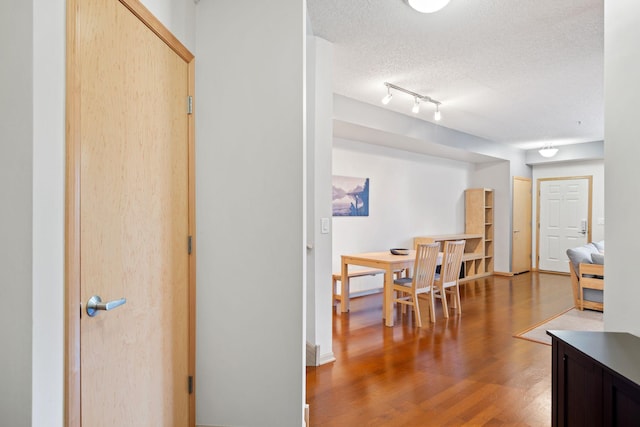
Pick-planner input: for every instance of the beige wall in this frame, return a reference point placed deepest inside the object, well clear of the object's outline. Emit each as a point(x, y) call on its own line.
point(250, 175)
point(16, 207)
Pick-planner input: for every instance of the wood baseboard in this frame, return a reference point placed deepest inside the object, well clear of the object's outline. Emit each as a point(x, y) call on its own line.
point(503, 273)
point(560, 273)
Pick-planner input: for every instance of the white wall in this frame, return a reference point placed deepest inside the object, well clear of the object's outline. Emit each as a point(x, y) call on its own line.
point(568, 153)
point(178, 16)
point(48, 211)
point(410, 195)
point(16, 208)
point(250, 170)
point(319, 143)
point(622, 151)
point(594, 168)
point(496, 164)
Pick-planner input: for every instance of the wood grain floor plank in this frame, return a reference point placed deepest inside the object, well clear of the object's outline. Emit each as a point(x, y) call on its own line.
point(467, 370)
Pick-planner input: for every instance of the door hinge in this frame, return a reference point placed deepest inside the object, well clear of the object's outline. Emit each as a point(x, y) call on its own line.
point(190, 384)
point(189, 104)
point(189, 244)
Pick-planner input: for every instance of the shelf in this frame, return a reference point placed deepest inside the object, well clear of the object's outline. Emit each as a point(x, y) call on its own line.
point(479, 219)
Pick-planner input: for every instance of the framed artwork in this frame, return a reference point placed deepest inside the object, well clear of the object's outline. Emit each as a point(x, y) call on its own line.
point(350, 196)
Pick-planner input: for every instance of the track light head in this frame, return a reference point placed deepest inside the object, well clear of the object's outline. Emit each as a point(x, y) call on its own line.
point(416, 106)
point(387, 98)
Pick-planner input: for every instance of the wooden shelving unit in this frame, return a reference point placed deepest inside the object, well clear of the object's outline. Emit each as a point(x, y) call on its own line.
point(479, 220)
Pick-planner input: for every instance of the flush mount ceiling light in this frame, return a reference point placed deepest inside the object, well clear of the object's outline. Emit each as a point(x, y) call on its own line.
point(548, 151)
point(427, 6)
point(417, 98)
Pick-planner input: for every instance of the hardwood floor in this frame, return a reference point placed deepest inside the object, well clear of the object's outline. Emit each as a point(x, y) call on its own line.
point(468, 370)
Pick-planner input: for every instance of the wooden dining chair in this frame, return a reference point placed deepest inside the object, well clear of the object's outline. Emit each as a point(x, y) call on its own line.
point(447, 281)
point(407, 289)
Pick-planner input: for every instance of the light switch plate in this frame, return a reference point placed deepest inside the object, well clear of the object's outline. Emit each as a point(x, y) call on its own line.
point(324, 225)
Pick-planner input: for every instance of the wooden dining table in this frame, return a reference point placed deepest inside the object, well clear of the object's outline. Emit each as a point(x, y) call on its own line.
point(383, 261)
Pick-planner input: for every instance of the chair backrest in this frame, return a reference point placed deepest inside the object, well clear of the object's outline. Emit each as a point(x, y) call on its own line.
point(424, 268)
point(451, 262)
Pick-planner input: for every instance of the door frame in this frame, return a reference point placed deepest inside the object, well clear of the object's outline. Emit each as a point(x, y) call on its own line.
point(589, 179)
point(72, 366)
point(530, 237)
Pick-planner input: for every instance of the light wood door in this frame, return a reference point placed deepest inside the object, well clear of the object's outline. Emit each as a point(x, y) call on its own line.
point(521, 235)
point(134, 212)
point(564, 215)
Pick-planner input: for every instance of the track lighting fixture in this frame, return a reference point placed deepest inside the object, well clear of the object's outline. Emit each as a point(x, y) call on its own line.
point(417, 98)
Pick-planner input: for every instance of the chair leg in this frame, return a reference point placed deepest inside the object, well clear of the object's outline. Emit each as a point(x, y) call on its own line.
point(455, 298)
point(432, 307)
point(416, 310)
point(443, 298)
point(397, 295)
point(335, 291)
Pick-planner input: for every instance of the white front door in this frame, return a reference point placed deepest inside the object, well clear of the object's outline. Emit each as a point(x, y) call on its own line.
point(564, 220)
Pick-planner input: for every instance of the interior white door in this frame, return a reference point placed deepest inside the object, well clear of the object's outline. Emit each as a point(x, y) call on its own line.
point(564, 220)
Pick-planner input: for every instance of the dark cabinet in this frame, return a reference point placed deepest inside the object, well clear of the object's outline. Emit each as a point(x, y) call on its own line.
point(595, 379)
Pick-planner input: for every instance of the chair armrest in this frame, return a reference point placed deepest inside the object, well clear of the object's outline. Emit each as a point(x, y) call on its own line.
point(591, 276)
point(575, 285)
point(593, 269)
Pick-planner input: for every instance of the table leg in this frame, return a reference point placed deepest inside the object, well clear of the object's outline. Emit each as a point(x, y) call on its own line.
point(344, 289)
point(388, 297)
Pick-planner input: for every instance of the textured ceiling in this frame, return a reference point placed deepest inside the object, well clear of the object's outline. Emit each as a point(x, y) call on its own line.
point(520, 72)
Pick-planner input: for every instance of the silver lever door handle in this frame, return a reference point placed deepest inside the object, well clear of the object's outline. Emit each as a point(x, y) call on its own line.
point(95, 303)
